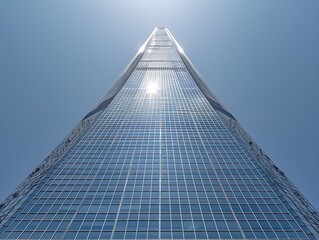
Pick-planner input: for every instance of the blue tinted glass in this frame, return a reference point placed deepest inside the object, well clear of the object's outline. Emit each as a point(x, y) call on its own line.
point(158, 157)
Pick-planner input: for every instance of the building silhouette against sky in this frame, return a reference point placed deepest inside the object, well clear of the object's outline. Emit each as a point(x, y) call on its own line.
point(159, 157)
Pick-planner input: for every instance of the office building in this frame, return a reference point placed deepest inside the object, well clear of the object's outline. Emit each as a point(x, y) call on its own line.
point(158, 157)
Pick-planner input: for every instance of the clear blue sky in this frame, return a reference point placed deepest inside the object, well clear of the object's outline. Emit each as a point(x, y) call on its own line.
point(261, 58)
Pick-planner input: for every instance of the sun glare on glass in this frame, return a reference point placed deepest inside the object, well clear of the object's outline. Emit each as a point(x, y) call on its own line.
point(152, 88)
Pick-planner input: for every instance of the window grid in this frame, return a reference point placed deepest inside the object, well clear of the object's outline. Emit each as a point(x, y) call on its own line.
point(157, 164)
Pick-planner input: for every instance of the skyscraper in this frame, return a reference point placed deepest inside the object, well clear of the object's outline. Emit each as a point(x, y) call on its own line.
point(158, 157)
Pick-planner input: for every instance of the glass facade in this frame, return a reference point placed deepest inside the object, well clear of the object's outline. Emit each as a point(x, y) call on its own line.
point(159, 157)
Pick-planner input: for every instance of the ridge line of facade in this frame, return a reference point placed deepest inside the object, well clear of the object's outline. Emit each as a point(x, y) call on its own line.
point(201, 83)
point(121, 80)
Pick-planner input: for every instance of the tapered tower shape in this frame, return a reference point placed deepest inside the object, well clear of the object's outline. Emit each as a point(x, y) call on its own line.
point(159, 157)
